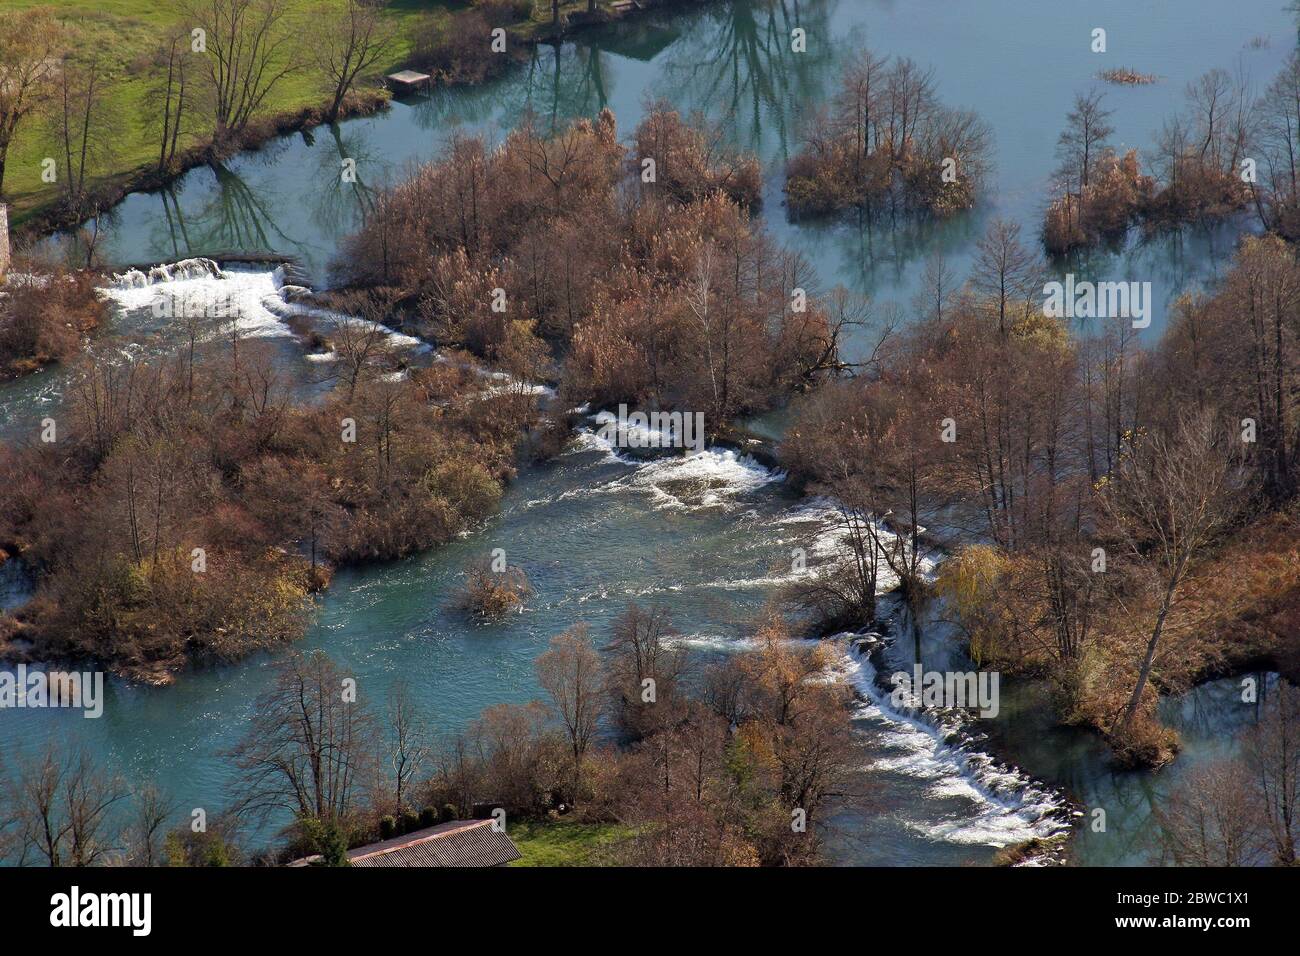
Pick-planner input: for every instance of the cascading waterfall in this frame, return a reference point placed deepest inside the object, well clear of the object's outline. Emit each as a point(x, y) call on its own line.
point(937, 746)
point(196, 268)
point(259, 300)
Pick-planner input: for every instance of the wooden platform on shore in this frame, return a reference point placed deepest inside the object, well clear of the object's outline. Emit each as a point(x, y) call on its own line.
point(408, 81)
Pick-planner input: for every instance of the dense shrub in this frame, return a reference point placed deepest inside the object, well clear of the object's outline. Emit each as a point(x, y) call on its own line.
point(44, 318)
point(191, 522)
point(667, 295)
point(1102, 211)
point(693, 159)
point(460, 51)
point(490, 595)
point(886, 139)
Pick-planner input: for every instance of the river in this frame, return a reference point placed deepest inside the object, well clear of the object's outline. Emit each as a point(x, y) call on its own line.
point(711, 535)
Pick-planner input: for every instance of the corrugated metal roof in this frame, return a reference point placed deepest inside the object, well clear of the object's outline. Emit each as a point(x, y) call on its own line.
point(461, 843)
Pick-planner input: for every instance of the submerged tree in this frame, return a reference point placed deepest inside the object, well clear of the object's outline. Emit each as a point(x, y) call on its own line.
point(1272, 762)
point(886, 141)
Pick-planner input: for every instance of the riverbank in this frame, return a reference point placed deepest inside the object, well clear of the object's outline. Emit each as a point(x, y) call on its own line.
point(38, 211)
point(53, 216)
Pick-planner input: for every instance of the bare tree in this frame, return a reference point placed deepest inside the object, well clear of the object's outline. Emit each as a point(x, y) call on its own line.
point(309, 748)
point(640, 649)
point(81, 124)
point(1005, 269)
point(60, 807)
point(843, 595)
point(1169, 496)
point(171, 98)
point(408, 746)
point(153, 809)
point(1280, 139)
point(250, 48)
point(938, 290)
point(30, 46)
point(1222, 116)
point(1084, 137)
point(570, 673)
point(699, 298)
point(350, 42)
point(1272, 757)
point(1209, 819)
point(360, 340)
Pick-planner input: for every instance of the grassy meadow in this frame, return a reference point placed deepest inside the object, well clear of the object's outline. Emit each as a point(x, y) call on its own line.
point(124, 34)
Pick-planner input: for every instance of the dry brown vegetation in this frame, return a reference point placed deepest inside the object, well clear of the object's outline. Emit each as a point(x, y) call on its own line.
point(691, 160)
point(1064, 445)
point(1123, 76)
point(884, 141)
point(731, 763)
point(45, 318)
point(460, 50)
point(187, 507)
point(711, 764)
point(490, 594)
point(1228, 151)
point(667, 295)
point(1241, 810)
point(1102, 209)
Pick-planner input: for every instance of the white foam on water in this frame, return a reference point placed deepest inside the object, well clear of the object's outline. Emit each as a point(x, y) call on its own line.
point(979, 801)
point(245, 297)
point(286, 309)
point(629, 435)
point(26, 279)
point(258, 299)
point(1006, 805)
point(517, 388)
point(695, 481)
point(712, 642)
point(587, 440)
point(826, 543)
point(185, 269)
point(713, 478)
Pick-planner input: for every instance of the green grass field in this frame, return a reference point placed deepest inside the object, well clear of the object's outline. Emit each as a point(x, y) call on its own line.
point(562, 843)
point(125, 32)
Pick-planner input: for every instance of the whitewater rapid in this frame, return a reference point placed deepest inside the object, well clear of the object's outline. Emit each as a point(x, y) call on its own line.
point(999, 805)
point(258, 302)
point(1002, 806)
point(1008, 806)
